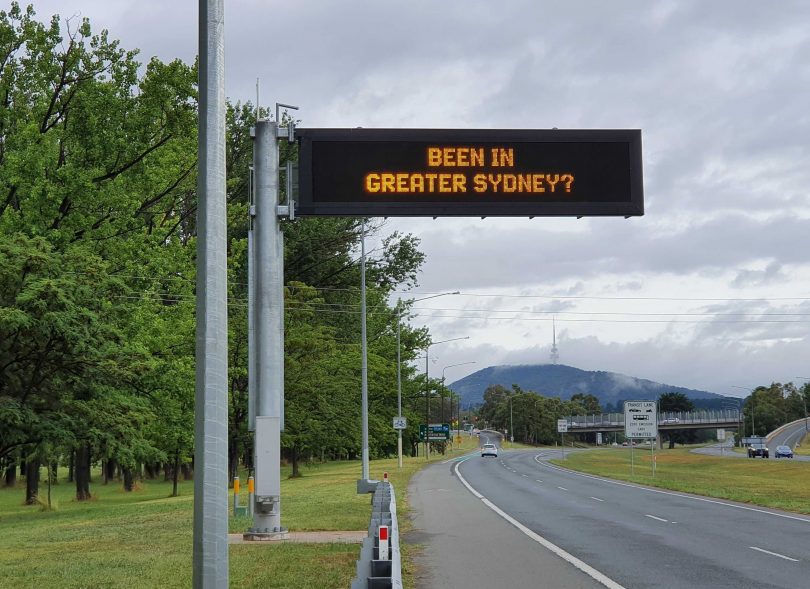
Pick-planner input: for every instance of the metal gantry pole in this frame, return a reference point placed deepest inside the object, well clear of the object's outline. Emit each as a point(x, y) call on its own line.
point(364, 361)
point(268, 335)
point(210, 536)
point(399, 384)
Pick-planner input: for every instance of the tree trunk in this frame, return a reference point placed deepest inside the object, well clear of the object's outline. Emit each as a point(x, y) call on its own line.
point(109, 469)
point(175, 472)
point(82, 472)
point(54, 480)
point(148, 470)
point(11, 473)
point(188, 472)
point(295, 472)
point(70, 466)
point(233, 459)
point(129, 482)
point(31, 481)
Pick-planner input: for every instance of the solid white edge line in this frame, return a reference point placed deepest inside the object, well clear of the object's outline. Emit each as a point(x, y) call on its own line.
point(566, 556)
point(562, 488)
point(773, 553)
point(673, 493)
point(660, 519)
point(598, 499)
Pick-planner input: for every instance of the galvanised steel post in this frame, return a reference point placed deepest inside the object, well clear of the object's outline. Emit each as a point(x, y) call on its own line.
point(210, 536)
point(269, 333)
point(364, 361)
point(399, 384)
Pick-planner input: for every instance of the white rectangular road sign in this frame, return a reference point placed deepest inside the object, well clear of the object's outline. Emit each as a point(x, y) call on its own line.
point(721, 435)
point(640, 419)
point(562, 426)
point(400, 423)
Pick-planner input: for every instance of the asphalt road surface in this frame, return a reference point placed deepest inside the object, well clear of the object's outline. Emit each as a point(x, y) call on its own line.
point(565, 529)
point(789, 436)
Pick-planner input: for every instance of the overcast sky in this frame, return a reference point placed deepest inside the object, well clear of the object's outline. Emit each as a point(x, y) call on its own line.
point(710, 289)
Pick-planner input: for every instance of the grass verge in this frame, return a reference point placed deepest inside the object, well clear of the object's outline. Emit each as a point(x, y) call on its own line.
point(781, 484)
point(144, 538)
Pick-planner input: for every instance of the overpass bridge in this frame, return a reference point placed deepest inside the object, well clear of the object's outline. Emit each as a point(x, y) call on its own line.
point(614, 422)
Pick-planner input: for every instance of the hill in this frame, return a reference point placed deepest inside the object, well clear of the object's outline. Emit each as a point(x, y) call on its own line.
point(558, 380)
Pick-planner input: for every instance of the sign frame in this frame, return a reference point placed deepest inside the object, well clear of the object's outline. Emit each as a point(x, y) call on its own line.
point(309, 203)
point(562, 426)
point(400, 422)
point(436, 432)
point(636, 428)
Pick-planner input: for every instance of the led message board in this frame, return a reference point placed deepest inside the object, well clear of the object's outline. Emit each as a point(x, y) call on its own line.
point(434, 172)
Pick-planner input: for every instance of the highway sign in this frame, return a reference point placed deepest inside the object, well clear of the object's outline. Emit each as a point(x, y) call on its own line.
point(438, 432)
point(721, 435)
point(640, 419)
point(469, 172)
point(400, 423)
point(562, 426)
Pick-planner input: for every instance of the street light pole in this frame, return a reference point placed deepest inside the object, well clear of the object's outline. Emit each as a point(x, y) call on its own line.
point(753, 407)
point(399, 366)
point(805, 403)
point(511, 423)
point(427, 389)
point(458, 413)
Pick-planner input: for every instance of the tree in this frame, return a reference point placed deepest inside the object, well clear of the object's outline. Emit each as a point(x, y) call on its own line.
point(672, 403)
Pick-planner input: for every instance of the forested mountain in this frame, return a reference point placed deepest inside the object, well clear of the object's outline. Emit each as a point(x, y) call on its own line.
point(558, 380)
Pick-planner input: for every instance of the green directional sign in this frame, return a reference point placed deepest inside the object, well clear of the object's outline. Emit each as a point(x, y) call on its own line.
point(435, 432)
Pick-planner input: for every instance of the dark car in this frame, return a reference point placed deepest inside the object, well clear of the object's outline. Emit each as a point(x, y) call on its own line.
point(783, 452)
point(755, 450)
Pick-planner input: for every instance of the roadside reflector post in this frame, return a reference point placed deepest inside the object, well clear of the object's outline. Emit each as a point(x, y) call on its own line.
point(382, 534)
point(385, 477)
point(250, 496)
point(235, 495)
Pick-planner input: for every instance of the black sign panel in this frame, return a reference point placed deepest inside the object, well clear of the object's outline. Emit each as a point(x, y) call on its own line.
point(434, 172)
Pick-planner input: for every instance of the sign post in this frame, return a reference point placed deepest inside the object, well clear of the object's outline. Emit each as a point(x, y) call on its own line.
point(640, 422)
point(562, 427)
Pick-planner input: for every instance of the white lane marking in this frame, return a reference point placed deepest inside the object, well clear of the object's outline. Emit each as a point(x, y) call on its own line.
point(598, 499)
point(525, 475)
point(773, 553)
point(566, 556)
point(562, 488)
point(660, 519)
point(538, 480)
point(704, 499)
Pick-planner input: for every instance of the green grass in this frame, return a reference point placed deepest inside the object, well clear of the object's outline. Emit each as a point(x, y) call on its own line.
point(144, 538)
point(781, 484)
point(804, 446)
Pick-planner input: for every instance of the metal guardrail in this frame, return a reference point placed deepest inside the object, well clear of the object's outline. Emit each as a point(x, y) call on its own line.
point(374, 572)
point(664, 418)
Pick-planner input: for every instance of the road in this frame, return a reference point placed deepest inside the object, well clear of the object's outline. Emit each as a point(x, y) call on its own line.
point(635, 537)
point(789, 436)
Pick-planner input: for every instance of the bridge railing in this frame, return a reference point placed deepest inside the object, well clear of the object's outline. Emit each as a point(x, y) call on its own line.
point(708, 416)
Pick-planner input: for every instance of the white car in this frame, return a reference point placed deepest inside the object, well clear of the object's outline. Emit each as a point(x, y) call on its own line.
point(489, 450)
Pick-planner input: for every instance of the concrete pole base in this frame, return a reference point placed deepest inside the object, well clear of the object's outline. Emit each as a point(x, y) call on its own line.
point(266, 535)
point(366, 486)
